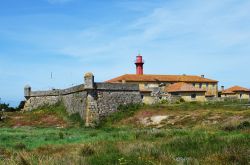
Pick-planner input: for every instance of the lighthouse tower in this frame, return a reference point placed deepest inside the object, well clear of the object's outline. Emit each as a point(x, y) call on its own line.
point(139, 65)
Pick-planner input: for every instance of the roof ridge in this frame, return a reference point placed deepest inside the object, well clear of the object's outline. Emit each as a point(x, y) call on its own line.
point(182, 87)
point(164, 78)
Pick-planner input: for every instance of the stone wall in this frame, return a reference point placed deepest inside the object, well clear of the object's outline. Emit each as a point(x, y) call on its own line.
point(108, 102)
point(91, 100)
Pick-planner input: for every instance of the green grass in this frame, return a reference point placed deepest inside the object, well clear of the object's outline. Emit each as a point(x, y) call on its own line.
point(114, 146)
point(117, 143)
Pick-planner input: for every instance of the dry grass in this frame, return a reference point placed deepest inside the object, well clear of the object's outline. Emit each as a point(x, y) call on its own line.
point(196, 135)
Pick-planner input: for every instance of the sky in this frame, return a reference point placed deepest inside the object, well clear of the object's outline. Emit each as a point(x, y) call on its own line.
point(67, 38)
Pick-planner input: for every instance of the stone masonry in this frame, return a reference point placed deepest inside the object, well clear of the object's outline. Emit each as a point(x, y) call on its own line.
point(91, 100)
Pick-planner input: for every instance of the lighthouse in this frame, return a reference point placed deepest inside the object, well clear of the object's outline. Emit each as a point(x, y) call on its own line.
point(139, 65)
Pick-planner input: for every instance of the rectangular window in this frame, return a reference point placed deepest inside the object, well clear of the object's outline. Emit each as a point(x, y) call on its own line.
point(200, 85)
point(207, 85)
point(175, 94)
point(194, 84)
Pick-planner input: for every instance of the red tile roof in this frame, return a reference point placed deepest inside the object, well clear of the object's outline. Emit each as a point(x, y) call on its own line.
point(182, 87)
point(234, 89)
point(160, 78)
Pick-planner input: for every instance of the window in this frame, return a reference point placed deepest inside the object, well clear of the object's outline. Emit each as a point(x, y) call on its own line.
point(207, 85)
point(200, 85)
point(175, 94)
point(193, 96)
point(194, 84)
point(142, 96)
point(241, 95)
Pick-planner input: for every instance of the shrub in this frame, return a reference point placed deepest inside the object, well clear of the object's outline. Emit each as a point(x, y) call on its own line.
point(61, 135)
point(182, 100)
point(164, 101)
point(244, 125)
point(6, 107)
point(240, 126)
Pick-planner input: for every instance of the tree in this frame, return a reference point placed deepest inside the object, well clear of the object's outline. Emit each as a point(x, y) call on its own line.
point(6, 107)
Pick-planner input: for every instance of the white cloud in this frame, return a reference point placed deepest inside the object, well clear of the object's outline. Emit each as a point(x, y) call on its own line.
point(199, 37)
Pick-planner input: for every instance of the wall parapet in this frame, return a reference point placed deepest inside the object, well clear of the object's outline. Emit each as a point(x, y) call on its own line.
point(80, 88)
point(91, 100)
point(117, 87)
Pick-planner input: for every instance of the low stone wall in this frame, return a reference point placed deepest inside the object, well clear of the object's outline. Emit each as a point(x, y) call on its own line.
point(91, 100)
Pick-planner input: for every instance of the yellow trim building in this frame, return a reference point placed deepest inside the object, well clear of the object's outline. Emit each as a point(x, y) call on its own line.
point(236, 92)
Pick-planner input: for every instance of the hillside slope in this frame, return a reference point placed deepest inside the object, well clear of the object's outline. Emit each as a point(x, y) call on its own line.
point(136, 135)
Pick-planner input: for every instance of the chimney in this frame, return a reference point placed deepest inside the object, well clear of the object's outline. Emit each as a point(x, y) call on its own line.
point(139, 65)
point(222, 88)
point(202, 76)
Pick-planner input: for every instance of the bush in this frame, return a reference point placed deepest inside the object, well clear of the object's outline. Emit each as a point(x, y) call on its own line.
point(182, 100)
point(244, 125)
point(61, 135)
point(233, 127)
point(6, 107)
point(164, 101)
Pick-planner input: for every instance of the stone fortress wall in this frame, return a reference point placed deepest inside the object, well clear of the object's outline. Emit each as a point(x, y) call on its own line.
point(91, 100)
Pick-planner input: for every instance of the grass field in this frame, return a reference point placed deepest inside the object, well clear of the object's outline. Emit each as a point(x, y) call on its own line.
point(189, 134)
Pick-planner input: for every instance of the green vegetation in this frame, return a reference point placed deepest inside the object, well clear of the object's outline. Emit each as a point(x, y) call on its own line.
point(124, 111)
point(193, 133)
point(7, 108)
point(46, 116)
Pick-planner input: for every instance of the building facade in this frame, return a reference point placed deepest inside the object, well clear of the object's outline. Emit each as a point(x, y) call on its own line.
point(186, 91)
point(149, 82)
point(236, 92)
